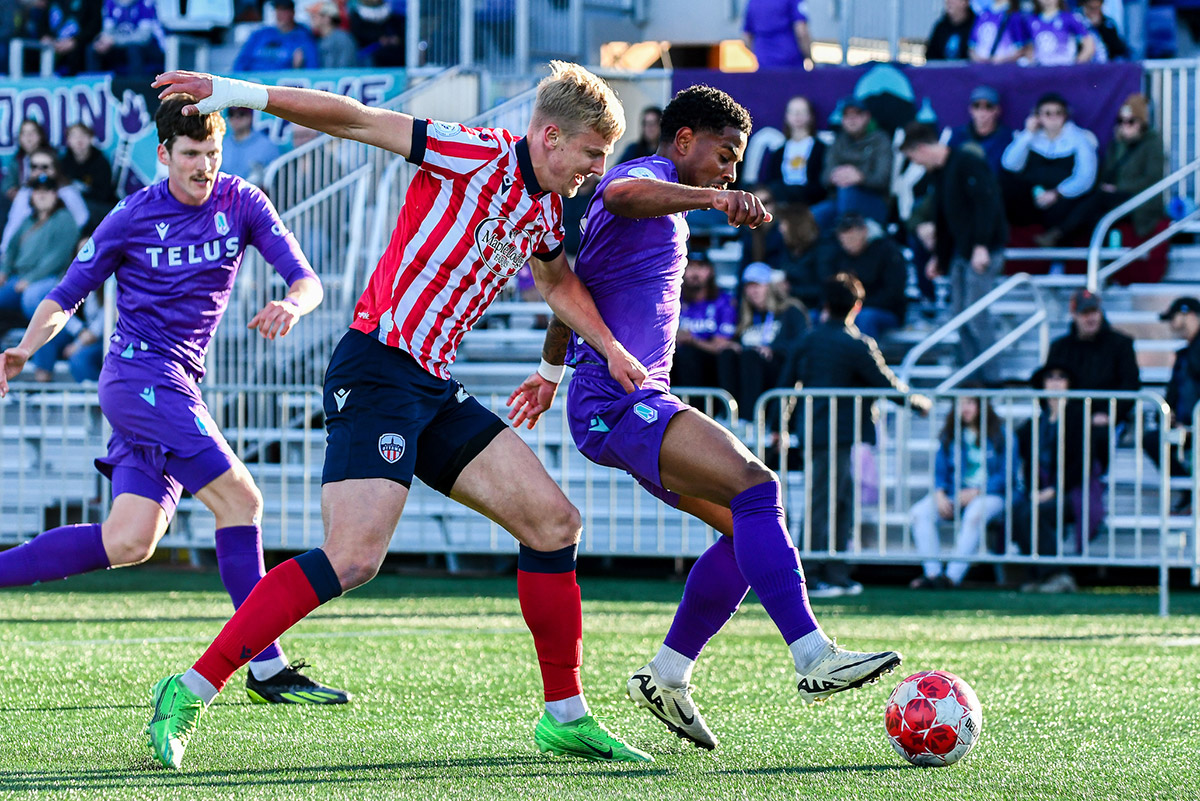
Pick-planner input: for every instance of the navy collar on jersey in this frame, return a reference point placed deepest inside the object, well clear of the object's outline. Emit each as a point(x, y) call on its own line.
point(525, 165)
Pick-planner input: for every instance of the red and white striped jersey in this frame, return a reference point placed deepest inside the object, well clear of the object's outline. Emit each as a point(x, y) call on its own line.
point(473, 215)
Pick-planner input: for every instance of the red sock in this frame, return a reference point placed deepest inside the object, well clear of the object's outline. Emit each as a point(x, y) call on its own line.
point(281, 599)
point(551, 606)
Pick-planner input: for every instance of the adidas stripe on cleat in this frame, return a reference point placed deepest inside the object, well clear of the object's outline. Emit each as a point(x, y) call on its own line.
point(837, 669)
point(290, 686)
point(673, 706)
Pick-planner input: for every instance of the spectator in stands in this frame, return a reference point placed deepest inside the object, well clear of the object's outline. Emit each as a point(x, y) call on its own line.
point(246, 151)
point(379, 30)
point(39, 253)
point(1109, 44)
point(798, 259)
point(128, 43)
point(950, 39)
point(969, 228)
point(1043, 482)
point(1001, 33)
point(1051, 167)
point(283, 46)
point(777, 32)
point(43, 162)
point(705, 348)
point(862, 249)
point(970, 480)
point(88, 169)
point(835, 355)
point(986, 130)
point(794, 171)
point(30, 137)
point(770, 325)
point(1101, 358)
point(764, 242)
point(83, 348)
point(647, 143)
point(1183, 392)
point(336, 49)
point(1059, 37)
point(858, 168)
point(1133, 162)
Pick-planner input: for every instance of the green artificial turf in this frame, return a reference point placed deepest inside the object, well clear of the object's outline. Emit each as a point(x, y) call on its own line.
point(1084, 696)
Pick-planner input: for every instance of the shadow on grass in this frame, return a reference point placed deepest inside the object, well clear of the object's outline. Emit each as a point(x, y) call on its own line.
point(365, 773)
point(800, 770)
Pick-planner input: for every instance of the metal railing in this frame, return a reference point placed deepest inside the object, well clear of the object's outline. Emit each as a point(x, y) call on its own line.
point(1039, 319)
point(1097, 276)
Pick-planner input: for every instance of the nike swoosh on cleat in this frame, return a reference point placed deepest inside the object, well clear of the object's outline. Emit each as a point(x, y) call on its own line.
point(606, 753)
point(682, 716)
point(871, 658)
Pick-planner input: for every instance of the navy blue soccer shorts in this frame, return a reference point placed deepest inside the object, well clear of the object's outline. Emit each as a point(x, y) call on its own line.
point(387, 417)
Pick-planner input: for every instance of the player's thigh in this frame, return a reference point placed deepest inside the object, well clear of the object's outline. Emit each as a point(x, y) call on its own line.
point(508, 484)
point(132, 529)
point(701, 458)
point(360, 517)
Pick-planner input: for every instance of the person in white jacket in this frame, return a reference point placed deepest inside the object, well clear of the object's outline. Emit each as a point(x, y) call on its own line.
point(1049, 168)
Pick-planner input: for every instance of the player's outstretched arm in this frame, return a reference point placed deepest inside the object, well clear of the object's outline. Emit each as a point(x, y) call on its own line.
point(278, 316)
point(322, 111)
point(573, 304)
point(536, 393)
point(639, 198)
point(48, 319)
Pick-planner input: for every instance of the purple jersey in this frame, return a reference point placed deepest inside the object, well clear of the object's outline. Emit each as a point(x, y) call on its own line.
point(706, 319)
point(634, 270)
point(999, 33)
point(175, 264)
point(772, 24)
point(1056, 40)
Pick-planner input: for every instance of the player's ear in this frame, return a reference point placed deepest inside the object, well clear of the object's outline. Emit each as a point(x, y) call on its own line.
point(551, 136)
point(163, 156)
point(684, 138)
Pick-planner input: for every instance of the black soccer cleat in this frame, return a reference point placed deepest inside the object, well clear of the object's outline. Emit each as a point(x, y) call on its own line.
point(290, 686)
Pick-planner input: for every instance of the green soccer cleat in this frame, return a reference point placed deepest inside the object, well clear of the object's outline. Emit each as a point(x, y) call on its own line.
point(585, 738)
point(176, 712)
point(290, 686)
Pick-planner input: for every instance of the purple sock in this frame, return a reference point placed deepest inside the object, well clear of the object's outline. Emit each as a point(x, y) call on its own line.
point(54, 554)
point(240, 562)
point(769, 561)
point(713, 591)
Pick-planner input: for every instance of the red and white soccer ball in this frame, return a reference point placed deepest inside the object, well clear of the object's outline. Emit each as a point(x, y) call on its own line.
point(933, 718)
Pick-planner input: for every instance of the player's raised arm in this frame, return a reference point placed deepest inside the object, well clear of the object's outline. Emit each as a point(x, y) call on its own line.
point(638, 198)
point(322, 111)
point(573, 304)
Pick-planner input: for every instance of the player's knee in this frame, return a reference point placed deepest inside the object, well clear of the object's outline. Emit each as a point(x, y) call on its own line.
point(354, 566)
point(129, 546)
point(560, 528)
point(755, 473)
point(247, 501)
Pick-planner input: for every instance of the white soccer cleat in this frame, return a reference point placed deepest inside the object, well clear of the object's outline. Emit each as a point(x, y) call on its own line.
point(671, 705)
point(838, 669)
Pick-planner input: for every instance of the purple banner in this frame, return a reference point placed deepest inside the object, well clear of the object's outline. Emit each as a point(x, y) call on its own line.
point(895, 93)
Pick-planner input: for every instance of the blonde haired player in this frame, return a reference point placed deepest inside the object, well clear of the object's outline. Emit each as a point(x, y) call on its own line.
point(483, 202)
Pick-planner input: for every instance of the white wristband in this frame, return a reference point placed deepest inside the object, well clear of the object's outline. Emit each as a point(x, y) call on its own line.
point(230, 92)
point(551, 372)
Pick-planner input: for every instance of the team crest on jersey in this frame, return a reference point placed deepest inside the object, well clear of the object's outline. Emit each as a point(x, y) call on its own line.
point(278, 229)
point(391, 447)
point(222, 223)
point(503, 247)
point(647, 413)
point(120, 205)
point(642, 172)
point(446, 128)
point(88, 251)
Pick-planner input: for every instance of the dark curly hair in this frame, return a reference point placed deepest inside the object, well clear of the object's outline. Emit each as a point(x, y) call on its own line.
point(703, 108)
point(171, 122)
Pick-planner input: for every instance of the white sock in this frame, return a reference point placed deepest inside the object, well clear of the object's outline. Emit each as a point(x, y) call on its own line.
point(568, 709)
point(268, 667)
point(807, 649)
point(673, 668)
point(199, 685)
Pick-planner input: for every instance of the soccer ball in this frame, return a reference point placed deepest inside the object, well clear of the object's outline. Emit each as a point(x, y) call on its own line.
point(933, 718)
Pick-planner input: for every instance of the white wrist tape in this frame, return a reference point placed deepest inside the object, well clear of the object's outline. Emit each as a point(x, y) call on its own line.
point(230, 92)
point(551, 372)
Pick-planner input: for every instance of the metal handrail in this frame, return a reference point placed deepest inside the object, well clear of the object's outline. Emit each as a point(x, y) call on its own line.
point(1038, 318)
point(1094, 275)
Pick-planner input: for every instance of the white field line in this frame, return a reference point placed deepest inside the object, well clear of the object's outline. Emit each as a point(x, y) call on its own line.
point(301, 635)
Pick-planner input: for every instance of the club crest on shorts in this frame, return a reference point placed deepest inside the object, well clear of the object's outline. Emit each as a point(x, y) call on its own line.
point(221, 222)
point(645, 412)
point(391, 447)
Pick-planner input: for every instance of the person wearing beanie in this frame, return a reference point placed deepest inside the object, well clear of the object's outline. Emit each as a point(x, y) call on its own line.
point(1133, 162)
